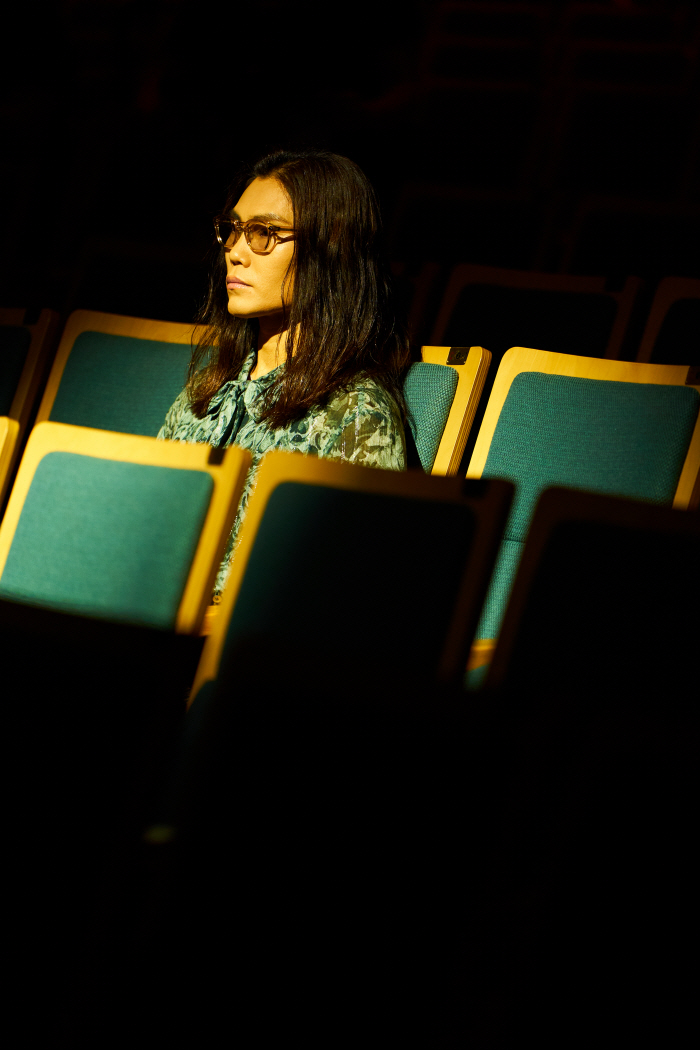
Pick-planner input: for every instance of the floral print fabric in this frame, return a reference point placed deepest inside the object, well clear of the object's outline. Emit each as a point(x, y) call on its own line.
point(358, 425)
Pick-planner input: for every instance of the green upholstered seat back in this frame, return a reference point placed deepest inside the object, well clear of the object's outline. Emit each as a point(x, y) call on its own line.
point(625, 439)
point(14, 346)
point(341, 572)
point(117, 382)
point(107, 539)
point(429, 390)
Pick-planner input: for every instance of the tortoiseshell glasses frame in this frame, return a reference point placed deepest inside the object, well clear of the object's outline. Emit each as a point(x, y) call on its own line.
point(257, 234)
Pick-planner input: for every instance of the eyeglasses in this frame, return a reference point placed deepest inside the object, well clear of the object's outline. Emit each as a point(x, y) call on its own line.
point(258, 235)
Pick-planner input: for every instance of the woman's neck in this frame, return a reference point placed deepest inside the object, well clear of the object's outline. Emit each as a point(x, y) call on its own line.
point(272, 350)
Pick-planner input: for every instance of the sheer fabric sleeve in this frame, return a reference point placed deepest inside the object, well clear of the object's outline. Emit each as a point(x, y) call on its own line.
point(368, 430)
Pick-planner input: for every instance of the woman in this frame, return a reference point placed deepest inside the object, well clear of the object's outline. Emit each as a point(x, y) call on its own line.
point(308, 355)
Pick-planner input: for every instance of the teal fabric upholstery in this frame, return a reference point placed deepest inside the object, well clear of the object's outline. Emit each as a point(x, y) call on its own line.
point(107, 539)
point(116, 382)
point(499, 588)
point(14, 347)
point(429, 390)
point(625, 439)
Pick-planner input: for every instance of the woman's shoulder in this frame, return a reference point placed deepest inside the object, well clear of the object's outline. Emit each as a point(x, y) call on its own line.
point(365, 396)
point(360, 424)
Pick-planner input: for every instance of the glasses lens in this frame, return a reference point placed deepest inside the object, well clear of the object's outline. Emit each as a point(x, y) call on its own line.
point(225, 232)
point(258, 236)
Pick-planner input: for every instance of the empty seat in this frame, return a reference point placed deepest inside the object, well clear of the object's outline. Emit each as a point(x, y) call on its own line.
point(442, 394)
point(602, 612)
point(320, 535)
point(557, 312)
point(619, 427)
point(116, 373)
point(500, 308)
point(594, 686)
point(119, 527)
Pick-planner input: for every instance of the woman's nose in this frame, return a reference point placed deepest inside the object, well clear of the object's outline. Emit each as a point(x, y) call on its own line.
point(240, 252)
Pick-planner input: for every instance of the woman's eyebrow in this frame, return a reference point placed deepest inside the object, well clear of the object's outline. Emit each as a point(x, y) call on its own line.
point(263, 217)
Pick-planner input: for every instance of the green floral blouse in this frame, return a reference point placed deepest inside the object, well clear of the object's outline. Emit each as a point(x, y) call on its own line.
point(359, 425)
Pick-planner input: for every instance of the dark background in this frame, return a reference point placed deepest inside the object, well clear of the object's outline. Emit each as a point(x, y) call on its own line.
point(552, 136)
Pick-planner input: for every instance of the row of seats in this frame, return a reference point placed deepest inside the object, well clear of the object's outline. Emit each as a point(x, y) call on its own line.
point(122, 374)
point(493, 307)
point(126, 529)
point(588, 316)
point(89, 483)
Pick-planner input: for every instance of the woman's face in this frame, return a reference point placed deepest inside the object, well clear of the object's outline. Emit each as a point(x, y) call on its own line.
point(254, 282)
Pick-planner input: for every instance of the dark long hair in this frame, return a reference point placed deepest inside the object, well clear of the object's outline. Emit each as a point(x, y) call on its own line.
point(342, 321)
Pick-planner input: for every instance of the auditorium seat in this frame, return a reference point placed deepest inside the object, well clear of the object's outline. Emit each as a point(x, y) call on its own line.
point(492, 41)
point(623, 104)
point(593, 695)
point(500, 308)
point(119, 527)
point(616, 427)
point(601, 614)
point(442, 394)
point(116, 373)
point(321, 535)
point(352, 600)
point(562, 313)
point(345, 622)
point(108, 551)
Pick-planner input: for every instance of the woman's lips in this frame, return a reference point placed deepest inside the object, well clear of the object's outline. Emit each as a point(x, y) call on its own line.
point(234, 282)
